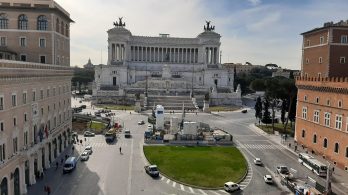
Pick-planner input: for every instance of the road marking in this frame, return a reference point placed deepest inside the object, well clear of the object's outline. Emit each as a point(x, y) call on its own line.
point(174, 183)
point(202, 192)
point(168, 180)
point(162, 178)
point(191, 190)
point(130, 170)
point(212, 191)
point(182, 187)
point(223, 191)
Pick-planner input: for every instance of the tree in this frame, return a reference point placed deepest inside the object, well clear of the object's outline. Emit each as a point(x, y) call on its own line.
point(258, 108)
point(258, 85)
point(283, 111)
point(266, 117)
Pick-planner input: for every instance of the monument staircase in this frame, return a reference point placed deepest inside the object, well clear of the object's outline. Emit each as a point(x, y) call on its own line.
point(171, 102)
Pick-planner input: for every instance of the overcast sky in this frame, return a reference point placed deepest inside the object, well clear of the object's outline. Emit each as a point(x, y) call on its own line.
point(256, 31)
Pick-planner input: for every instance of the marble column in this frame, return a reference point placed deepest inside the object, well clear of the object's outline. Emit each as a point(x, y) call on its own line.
point(112, 52)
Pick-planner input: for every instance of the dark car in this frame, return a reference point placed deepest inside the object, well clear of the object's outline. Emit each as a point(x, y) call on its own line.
point(244, 111)
point(152, 170)
point(83, 106)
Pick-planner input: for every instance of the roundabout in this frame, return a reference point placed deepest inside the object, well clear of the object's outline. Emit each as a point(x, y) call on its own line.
point(205, 167)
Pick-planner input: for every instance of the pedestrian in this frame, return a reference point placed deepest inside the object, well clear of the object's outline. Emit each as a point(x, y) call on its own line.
point(120, 150)
point(72, 148)
point(45, 188)
point(333, 169)
point(295, 148)
point(61, 161)
point(57, 165)
point(66, 156)
point(48, 190)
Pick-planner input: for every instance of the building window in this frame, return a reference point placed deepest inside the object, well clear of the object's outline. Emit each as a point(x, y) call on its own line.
point(62, 28)
point(14, 121)
point(327, 117)
point(316, 116)
point(315, 138)
point(34, 96)
point(344, 39)
point(14, 100)
point(57, 25)
point(26, 138)
point(305, 98)
point(3, 21)
point(15, 144)
point(317, 100)
point(24, 97)
point(43, 59)
point(320, 60)
point(308, 43)
point(328, 102)
point(67, 30)
point(2, 152)
point(42, 23)
point(3, 41)
point(25, 117)
point(303, 133)
point(23, 22)
point(23, 57)
point(41, 94)
point(336, 150)
point(1, 103)
point(42, 42)
point(346, 152)
point(342, 60)
point(23, 41)
point(307, 61)
point(339, 103)
point(325, 143)
point(304, 112)
point(321, 40)
point(338, 122)
point(42, 111)
point(1, 126)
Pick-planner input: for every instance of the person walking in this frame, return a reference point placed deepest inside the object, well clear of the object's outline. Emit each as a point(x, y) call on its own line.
point(57, 165)
point(120, 150)
point(48, 190)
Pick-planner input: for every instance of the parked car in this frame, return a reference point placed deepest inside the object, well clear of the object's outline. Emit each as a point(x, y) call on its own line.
point(282, 169)
point(89, 150)
point(127, 133)
point(84, 156)
point(88, 134)
point(152, 170)
point(268, 179)
point(231, 186)
point(69, 165)
point(244, 111)
point(141, 122)
point(83, 106)
point(257, 161)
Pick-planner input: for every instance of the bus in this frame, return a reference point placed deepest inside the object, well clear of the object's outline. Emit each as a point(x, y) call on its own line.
point(312, 164)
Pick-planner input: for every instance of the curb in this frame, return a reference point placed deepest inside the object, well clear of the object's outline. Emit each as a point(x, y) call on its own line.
point(199, 187)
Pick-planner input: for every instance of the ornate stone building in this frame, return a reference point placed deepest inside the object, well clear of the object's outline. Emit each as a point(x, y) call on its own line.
point(164, 65)
point(321, 116)
point(35, 109)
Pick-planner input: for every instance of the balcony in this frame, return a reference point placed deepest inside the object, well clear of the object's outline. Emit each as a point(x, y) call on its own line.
point(109, 87)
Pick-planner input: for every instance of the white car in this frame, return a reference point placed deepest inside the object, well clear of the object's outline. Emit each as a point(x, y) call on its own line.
point(141, 122)
point(89, 150)
point(257, 161)
point(84, 156)
point(231, 186)
point(268, 179)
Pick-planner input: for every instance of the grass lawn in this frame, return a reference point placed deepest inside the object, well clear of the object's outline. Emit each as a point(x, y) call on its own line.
point(202, 166)
point(223, 108)
point(97, 126)
point(277, 127)
point(115, 107)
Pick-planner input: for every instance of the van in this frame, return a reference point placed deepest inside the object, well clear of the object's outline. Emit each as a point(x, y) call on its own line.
point(69, 165)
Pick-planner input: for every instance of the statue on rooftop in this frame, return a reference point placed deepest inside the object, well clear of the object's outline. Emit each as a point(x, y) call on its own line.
point(119, 23)
point(209, 27)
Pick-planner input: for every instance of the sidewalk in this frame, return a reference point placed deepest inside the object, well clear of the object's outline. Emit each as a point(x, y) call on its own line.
point(340, 176)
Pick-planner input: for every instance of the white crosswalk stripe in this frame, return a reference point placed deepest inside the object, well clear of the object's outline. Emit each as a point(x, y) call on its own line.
point(260, 146)
point(174, 183)
point(214, 192)
point(202, 192)
point(182, 187)
point(191, 190)
point(168, 180)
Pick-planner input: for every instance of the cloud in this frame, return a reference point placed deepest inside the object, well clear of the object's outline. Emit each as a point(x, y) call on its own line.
point(254, 2)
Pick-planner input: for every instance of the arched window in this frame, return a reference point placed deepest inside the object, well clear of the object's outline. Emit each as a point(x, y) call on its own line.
point(42, 23)
point(3, 21)
point(22, 22)
point(336, 147)
point(62, 28)
point(57, 25)
point(4, 186)
point(314, 138)
point(325, 143)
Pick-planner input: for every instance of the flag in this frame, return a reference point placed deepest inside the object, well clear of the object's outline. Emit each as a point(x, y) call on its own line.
point(46, 131)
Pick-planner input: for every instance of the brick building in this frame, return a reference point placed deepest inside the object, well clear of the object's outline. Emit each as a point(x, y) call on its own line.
point(322, 109)
point(35, 107)
point(325, 51)
point(34, 31)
